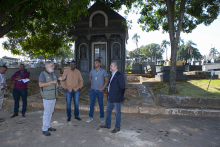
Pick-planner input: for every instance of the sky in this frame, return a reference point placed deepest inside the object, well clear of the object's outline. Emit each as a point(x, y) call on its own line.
point(204, 36)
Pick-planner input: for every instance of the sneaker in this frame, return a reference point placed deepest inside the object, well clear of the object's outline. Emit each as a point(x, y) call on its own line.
point(51, 129)
point(115, 130)
point(78, 118)
point(89, 119)
point(68, 119)
point(102, 120)
point(46, 133)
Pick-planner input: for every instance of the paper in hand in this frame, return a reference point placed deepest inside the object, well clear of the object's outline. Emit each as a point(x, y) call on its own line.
point(26, 80)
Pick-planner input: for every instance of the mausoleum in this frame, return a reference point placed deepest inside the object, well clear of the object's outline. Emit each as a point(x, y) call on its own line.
point(100, 35)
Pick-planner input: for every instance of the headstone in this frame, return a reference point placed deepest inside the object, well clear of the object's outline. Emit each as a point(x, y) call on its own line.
point(163, 73)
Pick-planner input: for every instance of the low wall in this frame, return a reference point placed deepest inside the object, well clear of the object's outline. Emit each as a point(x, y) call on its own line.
point(34, 72)
point(188, 102)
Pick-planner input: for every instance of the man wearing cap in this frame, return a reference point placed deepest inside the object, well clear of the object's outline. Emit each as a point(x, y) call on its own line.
point(99, 80)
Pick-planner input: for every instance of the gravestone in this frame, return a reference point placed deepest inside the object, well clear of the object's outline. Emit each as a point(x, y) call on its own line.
point(211, 66)
point(163, 73)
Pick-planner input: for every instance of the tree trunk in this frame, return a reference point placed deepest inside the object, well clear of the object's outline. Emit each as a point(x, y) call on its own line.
point(174, 39)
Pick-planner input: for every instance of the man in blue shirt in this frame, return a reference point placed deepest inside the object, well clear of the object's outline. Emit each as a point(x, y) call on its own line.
point(99, 80)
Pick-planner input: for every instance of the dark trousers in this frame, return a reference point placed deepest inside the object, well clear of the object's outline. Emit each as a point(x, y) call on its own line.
point(17, 93)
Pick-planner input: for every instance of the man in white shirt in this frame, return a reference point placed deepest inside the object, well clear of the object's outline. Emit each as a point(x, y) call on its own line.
point(3, 69)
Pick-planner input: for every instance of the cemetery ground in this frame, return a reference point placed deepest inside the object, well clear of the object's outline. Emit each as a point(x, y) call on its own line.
point(191, 88)
point(137, 130)
point(144, 122)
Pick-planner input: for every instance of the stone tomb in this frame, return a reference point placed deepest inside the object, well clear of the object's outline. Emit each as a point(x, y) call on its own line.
point(211, 66)
point(100, 35)
point(163, 73)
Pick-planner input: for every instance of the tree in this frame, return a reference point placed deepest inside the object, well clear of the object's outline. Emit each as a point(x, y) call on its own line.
point(152, 50)
point(190, 48)
point(39, 38)
point(135, 38)
point(184, 54)
point(14, 13)
point(180, 40)
point(176, 16)
point(213, 51)
point(164, 45)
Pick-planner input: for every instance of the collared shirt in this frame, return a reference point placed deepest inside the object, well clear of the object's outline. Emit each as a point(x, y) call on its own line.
point(113, 74)
point(20, 84)
point(73, 81)
point(2, 80)
point(98, 78)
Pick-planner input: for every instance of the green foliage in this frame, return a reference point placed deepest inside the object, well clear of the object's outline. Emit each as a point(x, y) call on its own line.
point(39, 38)
point(151, 50)
point(154, 14)
point(187, 52)
point(15, 13)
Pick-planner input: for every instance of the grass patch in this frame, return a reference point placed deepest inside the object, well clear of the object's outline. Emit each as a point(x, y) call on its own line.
point(192, 88)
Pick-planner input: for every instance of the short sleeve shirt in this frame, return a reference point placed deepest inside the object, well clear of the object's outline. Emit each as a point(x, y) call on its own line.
point(43, 79)
point(98, 78)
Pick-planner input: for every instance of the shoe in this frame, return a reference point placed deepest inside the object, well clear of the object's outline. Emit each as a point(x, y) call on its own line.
point(14, 115)
point(23, 115)
point(89, 119)
point(52, 129)
point(115, 130)
point(2, 119)
point(102, 120)
point(46, 133)
point(78, 118)
point(104, 126)
point(68, 119)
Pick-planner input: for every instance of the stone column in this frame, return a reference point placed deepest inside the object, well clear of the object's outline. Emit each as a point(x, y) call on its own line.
point(76, 49)
point(108, 36)
point(89, 52)
point(123, 53)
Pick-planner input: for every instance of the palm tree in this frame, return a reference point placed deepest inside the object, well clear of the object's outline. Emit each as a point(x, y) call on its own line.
point(180, 40)
point(213, 51)
point(189, 47)
point(135, 38)
point(164, 45)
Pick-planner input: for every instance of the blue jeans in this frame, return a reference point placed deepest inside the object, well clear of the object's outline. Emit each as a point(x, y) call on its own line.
point(75, 96)
point(109, 109)
point(93, 93)
point(17, 93)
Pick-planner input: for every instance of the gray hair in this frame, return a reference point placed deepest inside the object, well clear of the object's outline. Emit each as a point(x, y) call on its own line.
point(48, 63)
point(115, 63)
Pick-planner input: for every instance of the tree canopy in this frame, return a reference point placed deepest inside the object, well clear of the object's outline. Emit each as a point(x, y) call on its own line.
point(174, 17)
point(39, 38)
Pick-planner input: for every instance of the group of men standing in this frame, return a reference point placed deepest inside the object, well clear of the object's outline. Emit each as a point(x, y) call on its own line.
point(72, 82)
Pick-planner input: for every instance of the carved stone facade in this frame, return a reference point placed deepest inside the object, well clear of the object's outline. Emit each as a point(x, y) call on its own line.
point(100, 35)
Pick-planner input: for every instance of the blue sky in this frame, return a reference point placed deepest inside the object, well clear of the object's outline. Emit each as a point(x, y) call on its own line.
point(203, 36)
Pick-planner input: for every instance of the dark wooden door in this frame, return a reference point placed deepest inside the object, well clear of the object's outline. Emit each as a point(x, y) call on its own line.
point(100, 53)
